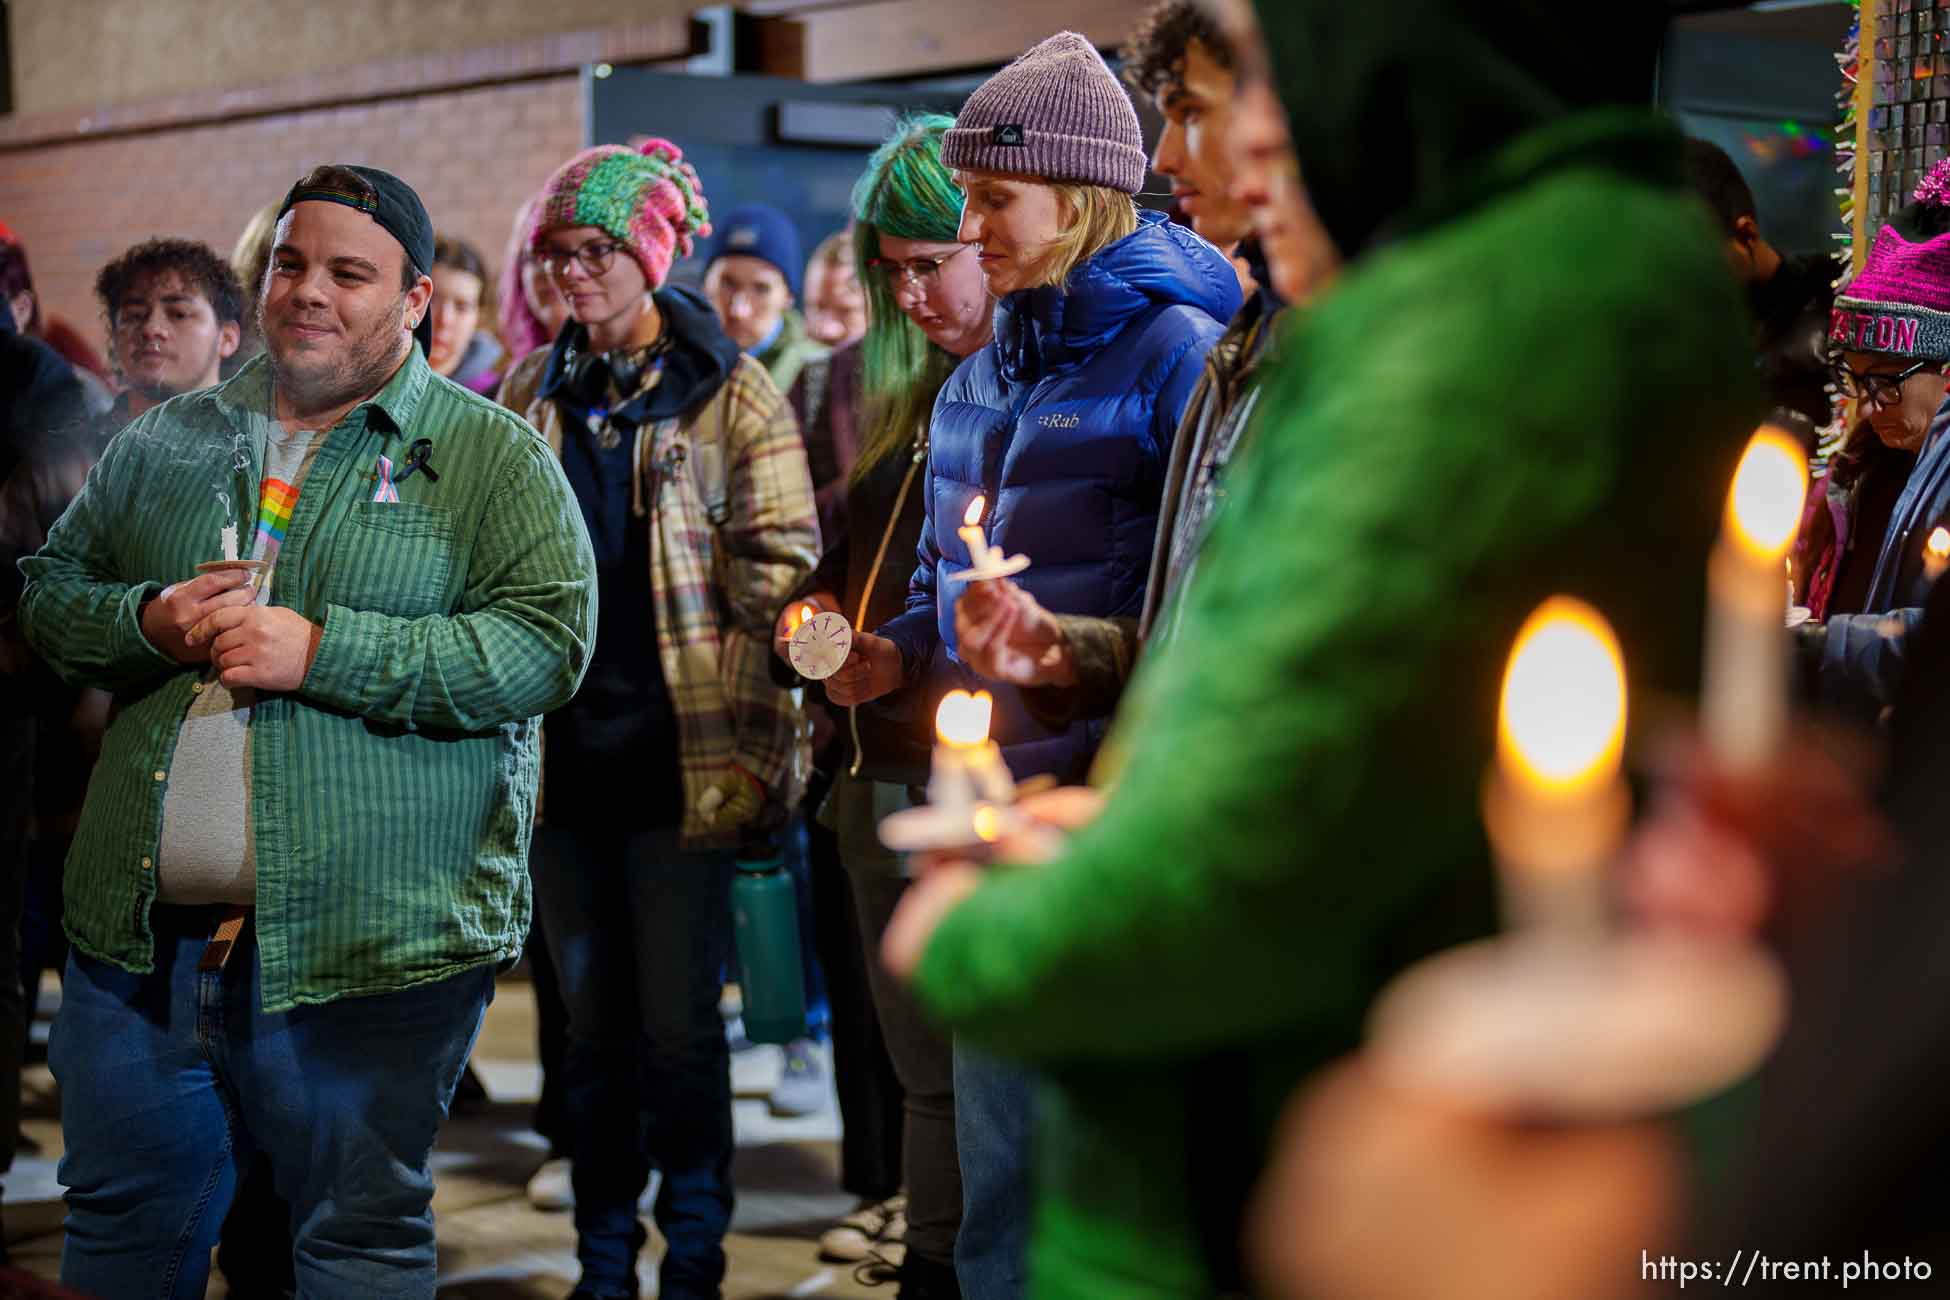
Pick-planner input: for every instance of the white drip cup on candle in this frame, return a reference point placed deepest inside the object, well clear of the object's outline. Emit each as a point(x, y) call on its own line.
point(820, 643)
point(985, 562)
point(1744, 696)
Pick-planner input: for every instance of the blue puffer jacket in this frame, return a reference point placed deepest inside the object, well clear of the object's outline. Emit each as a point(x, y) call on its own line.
point(1065, 424)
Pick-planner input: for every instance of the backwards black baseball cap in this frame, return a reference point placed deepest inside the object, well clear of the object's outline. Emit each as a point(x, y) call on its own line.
point(392, 203)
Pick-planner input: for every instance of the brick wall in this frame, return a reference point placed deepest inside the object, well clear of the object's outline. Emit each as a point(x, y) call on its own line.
point(88, 53)
point(473, 155)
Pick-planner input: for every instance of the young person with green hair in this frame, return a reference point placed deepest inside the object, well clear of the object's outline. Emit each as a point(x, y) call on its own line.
point(928, 308)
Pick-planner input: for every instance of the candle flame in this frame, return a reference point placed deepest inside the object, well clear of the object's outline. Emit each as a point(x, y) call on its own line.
point(973, 515)
point(988, 824)
point(963, 719)
point(1562, 720)
point(1940, 543)
point(805, 617)
point(1764, 506)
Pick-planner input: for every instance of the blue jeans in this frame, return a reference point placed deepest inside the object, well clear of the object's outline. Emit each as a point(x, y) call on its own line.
point(993, 1126)
point(640, 931)
point(171, 1082)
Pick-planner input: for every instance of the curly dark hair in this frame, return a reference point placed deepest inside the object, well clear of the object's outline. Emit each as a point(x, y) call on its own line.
point(1154, 57)
point(200, 266)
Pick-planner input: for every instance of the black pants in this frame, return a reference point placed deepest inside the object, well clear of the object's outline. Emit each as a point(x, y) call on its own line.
point(870, 1093)
point(923, 1060)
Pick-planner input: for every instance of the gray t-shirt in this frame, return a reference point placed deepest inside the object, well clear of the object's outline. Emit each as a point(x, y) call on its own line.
point(206, 854)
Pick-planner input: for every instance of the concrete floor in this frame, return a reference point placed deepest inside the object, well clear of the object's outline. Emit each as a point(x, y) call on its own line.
point(493, 1245)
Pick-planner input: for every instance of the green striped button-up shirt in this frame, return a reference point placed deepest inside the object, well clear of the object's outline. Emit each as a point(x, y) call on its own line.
point(391, 794)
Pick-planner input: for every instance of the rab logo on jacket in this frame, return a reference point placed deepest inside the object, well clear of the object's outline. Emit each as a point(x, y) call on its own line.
point(1058, 421)
point(1011, 135)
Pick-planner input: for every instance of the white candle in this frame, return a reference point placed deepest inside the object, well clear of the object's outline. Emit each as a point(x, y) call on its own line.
point(1936, 554)
point(230, 541)
point(968, 766)
point(1744, 699)
point(971, 533)
point(1555, 804)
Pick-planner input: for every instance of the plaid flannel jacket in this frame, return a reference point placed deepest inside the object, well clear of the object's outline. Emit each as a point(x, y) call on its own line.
point(391, 794)
point(718, 587)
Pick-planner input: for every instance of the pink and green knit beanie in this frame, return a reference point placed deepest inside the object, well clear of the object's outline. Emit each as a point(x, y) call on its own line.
point(1899, 303)
point(648, 199)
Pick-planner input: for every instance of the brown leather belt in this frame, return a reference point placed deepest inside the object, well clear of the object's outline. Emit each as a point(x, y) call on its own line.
point(230, 924)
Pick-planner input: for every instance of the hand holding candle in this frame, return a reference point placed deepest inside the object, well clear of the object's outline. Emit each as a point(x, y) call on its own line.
point(1743, 707)
point(1555, 804)
point(970, 789)
point(968, 767)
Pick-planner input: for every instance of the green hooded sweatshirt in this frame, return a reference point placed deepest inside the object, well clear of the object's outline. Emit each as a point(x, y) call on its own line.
point(1533, 377)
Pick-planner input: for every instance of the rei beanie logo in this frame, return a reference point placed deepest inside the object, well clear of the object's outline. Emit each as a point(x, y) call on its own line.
point(1009, 134)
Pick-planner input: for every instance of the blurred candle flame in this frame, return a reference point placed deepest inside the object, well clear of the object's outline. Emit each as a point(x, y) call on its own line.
point(1764, 505)
point(1561, 725)
point(973, 515)
point(1939, 545)
point(963, 719)
point(988, 824)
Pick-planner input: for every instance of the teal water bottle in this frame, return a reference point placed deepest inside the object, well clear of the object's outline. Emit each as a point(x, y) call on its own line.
point(765, 921)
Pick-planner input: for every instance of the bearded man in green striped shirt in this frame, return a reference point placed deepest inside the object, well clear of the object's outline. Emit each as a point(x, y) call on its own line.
point(303, 852)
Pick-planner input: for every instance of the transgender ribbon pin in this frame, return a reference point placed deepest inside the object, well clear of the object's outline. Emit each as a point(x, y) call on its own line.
point(386, 490)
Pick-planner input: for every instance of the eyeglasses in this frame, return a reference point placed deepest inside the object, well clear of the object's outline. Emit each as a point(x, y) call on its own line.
point(595, 257)
point(921, 270)
point(1882, 389)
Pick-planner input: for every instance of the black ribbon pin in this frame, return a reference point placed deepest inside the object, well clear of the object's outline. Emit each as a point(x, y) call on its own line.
point(419, 456)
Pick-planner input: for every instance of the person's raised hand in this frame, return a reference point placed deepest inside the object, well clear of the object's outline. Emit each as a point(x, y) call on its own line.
point(1747, 854)
point(167, 620)
point(1372, 1193)
point(267, 647)
point(1003, 633)
point(872, 669)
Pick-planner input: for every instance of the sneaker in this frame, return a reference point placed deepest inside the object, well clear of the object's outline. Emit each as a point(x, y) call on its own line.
point(870, 1226)
point(735, 1037)
point(801, 1089)
point(882, 1265)
point(550, 1188)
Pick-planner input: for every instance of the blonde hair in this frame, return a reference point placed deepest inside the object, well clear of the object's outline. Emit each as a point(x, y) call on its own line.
point(1098, 217)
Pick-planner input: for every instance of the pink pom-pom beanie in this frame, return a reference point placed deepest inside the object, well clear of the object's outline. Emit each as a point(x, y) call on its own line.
point(1899, 303)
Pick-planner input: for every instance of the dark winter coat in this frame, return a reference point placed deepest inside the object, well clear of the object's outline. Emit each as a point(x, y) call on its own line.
point(1064, 423)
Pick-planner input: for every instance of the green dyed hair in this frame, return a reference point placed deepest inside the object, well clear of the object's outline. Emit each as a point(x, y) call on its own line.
point(905, 192)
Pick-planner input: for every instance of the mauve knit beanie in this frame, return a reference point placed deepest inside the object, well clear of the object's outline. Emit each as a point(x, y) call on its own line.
point(648, 199)
point(1056, 112)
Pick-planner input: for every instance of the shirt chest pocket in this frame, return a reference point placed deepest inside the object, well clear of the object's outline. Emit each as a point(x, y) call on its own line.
point(392, 558)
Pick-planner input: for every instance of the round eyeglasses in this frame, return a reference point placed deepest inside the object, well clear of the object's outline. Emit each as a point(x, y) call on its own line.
point(595, 257)
point(918, 270)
